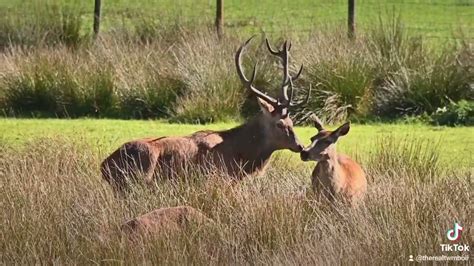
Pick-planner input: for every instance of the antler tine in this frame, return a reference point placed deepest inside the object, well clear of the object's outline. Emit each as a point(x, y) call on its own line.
point(283, 54)
point(302, 102)
point(286, 74)
point(298, 74)
point(270, 49)
point(290, 98)
point(249, 83)
point(317, 123)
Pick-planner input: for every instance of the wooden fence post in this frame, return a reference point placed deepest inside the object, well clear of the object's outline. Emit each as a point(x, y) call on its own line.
point(351, 19)
point(220, 18)
point(96, 17)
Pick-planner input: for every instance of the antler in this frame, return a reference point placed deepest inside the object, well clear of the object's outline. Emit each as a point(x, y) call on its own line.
point(280, 103)
point(283, 54)
point(302, 102)
point(249, 83)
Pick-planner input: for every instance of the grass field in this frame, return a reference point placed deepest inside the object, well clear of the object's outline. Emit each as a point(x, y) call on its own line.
point(432, 19)
point(455, 144)
point(57, 209)
point(143, 67)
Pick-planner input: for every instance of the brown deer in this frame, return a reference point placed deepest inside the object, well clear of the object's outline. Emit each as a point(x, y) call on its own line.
point(241, 151)
point(165, 221)
point(335, 174)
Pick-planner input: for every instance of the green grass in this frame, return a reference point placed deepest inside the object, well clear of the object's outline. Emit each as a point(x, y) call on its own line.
point(57, 209)
point(104, 136)
point(433, 19)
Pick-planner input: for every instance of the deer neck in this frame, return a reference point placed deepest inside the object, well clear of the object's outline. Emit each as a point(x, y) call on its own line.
point(250, 141)
point(330, 164)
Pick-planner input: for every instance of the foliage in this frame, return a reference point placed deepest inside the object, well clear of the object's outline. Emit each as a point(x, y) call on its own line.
point(186, 74)
point(460, 113)
point(49, 23)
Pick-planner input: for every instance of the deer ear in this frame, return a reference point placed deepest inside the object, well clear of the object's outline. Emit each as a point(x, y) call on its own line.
point(343, 130)
point(265, 107)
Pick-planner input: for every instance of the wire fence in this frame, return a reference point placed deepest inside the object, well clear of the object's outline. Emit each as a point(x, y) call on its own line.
point(433, 19)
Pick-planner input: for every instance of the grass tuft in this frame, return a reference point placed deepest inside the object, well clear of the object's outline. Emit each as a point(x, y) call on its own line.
point(186, 74)
point(58, 209)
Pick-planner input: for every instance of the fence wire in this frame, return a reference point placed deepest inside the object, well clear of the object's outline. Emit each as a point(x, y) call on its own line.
point(433, 19)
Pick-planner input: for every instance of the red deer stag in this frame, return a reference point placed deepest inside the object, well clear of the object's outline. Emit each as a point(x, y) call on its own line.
point(335, 173)
point(241, 151)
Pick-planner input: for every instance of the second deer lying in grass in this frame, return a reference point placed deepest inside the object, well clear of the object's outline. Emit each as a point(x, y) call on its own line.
point(335, 174)
point(165, 221)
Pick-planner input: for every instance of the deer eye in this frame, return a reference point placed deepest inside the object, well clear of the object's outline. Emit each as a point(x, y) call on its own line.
point(325, 142)
point(280, 125)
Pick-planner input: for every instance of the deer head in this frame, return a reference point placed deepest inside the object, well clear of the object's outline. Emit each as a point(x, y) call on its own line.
point(275, 111)
point(322, 144)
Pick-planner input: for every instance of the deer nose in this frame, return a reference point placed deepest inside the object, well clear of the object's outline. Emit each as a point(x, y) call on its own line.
point(300, 148)
point(304, 155)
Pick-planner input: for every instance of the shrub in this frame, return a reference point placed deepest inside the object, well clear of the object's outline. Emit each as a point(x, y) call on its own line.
point(189, 76)
point(55, 87)
point(460, 113)
point(45, 23)
point(213, 91)
point(344, 87)
point(410, 78)
point(154, 100)
point(425, 88)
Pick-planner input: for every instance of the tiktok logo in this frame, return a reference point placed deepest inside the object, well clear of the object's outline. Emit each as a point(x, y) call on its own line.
point(455, 233)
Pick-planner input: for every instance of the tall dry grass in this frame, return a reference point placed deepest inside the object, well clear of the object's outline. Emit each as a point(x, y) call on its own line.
point(37, 23)
point(56, 209)
point(188, 75)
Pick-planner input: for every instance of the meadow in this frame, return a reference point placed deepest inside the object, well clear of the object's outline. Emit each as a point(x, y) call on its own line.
point(438, 20)
point(57, 209)
point(190, 77)
point(454, 144)
point(151, 67)
point(68, 100)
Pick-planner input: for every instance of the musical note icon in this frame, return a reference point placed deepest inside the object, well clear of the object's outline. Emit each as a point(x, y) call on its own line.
point(455, 233)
